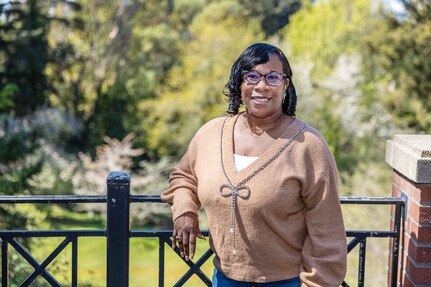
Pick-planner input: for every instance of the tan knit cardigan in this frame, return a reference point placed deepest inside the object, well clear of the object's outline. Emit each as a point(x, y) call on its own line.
point(290, 225)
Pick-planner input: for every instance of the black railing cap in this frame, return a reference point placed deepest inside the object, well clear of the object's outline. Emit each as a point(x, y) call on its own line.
point(118, 177)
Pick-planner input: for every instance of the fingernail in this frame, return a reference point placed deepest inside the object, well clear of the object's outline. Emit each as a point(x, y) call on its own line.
point(187, 258)
point(192, 256)
point(182, 254)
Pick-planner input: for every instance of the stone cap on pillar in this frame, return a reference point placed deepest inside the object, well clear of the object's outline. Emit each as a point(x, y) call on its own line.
point(410, 155)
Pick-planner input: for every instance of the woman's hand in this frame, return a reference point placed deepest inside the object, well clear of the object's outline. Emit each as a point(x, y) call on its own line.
point(186, 229)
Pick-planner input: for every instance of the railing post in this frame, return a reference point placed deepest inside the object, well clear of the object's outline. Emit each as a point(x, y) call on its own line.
point(117, 231)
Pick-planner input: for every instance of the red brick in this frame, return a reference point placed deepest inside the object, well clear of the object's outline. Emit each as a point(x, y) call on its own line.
point(395, 177)
point(418, 254)
point(421, 233)
point(403, 183)
point(396, 191)
point(408, 226)
point(418, 274)
point(406, 282)
point(405, 256)
point(419, 213)
point(421, 192)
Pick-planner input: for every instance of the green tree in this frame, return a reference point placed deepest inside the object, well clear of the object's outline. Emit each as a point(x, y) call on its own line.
point(18, 162)
point(193, 92)
point(25, 51)
point(324, 31)
point(120, 57)
point(327, 40)
point(337, 94)
point(272, 15)
point(398, 56)
point(24, 26)
point(24, 56)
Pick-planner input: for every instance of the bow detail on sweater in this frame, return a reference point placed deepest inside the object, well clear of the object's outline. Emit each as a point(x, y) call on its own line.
point(243, 192)
point(234, 191)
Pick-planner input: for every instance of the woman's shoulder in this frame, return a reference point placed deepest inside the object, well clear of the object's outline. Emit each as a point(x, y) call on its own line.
point(210, 129)
point(215, 122)
point(311, 134)
point(312, 140)
point(212, 125)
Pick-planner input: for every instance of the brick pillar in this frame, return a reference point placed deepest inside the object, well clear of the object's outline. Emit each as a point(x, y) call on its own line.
point(410, 158)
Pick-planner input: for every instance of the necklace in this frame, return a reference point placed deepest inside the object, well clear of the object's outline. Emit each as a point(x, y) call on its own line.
point(241, 190)
point(255, 130)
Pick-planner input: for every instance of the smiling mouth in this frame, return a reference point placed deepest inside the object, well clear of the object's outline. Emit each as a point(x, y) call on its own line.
point(260, 100)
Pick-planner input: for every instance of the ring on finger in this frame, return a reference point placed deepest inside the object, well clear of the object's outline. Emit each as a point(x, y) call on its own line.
point(179, 238)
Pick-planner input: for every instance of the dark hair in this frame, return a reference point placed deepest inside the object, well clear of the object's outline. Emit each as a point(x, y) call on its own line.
point(256, 54)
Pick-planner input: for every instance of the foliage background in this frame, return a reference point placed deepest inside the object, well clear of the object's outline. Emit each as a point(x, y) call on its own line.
point(91, 86)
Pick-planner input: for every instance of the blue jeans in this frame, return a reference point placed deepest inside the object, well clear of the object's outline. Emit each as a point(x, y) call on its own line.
point(219, 280)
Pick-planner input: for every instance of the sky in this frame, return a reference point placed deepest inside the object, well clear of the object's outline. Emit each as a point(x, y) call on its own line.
point(395, 5)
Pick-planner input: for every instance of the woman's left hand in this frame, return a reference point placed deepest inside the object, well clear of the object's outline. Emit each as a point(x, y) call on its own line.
point(186, 230)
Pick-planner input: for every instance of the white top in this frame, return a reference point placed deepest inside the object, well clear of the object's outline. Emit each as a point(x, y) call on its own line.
point(242, 161)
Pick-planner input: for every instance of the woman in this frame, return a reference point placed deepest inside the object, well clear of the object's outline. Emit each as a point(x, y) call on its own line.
point(268, 183)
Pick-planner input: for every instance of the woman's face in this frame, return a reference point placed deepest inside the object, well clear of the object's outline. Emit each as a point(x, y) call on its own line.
point(261, 99)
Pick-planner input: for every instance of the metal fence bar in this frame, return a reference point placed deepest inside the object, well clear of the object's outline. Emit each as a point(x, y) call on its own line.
point(199, 263)
point(371, 200)
point(8, 234)
point(33, 262)
point(41, 268)
point(74, 241)
point(195, 269)
point(161, 262)
point(145, 198)
point(164, 238)
point(359, 237)
point(362, 253)
point(117, 232)
point(4, 263)
point(403, 222)
point(399, 211)
point(51, 199)
point(368, 233)
point(165, 234)
point(352, 244)
point(71, 236)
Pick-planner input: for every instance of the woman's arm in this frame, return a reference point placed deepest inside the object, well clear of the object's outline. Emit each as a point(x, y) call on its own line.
point(325, 249)
point(182, 196)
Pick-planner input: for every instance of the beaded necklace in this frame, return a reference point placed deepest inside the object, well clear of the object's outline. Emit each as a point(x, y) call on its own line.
point(241, 190)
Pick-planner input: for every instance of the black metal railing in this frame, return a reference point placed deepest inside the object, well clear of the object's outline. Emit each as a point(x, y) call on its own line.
point(118, 235)
point(359, 237)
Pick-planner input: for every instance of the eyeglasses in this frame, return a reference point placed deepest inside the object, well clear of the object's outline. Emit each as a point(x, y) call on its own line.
point(272, 78)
